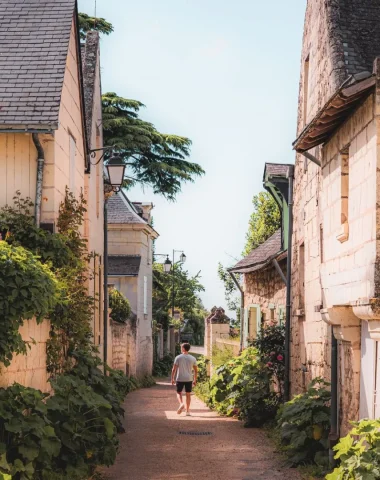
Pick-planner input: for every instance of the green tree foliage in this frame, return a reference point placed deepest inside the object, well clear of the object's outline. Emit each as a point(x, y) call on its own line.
point(87, 24)
point(186, 290)
point(231, 293)
point(264, 221)
point(153, 158)
point(119, 305)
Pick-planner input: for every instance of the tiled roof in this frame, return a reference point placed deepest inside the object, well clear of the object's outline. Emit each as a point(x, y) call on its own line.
point(123, 265)
point(260, 256)
point(34, 40)
point(277, 169)
point(120, 210)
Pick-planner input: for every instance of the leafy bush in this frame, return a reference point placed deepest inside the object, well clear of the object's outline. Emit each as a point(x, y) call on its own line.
point(358, 453)
point(242, 387)
point(270, 344)
point(28, 443)
point(119, 305)
point(27, 289)
point(304, 424)
point(83, 421)
point(162, 367)
point(202, 363)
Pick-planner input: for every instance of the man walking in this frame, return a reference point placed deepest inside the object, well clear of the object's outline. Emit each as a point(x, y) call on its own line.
point(182, 376)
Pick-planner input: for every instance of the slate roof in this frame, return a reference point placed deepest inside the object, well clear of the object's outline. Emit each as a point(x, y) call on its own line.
point(34, 39)
point(120, 210)
point(123, 265)
point(260, 256)
point(355, 25)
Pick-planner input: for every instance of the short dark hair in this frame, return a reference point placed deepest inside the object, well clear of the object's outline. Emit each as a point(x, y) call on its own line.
point(186, 346)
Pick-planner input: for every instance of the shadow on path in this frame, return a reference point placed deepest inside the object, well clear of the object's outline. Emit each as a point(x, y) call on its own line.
point(161, 445)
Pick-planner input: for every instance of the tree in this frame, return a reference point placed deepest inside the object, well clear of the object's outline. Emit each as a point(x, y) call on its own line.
point(230, 293)
point(186, 290)
point(153, 158)
point(264, 221)
point(87, 24)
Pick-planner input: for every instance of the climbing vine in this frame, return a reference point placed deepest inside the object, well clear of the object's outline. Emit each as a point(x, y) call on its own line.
point(27, 289)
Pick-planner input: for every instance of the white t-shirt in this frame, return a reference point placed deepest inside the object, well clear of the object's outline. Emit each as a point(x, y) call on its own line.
point(185, 364)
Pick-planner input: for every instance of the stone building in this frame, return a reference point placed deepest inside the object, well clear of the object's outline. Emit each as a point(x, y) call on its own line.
point(130, 263)
point(50, 112)
point(335, 279)
point(263, 271)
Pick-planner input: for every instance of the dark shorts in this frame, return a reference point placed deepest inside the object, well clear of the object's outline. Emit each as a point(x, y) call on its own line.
point(188, 386)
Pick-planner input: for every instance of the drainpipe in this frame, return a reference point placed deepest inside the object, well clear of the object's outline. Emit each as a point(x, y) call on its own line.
point(40, 177)
point(333, 436)
point(105, 280)
point(288, 288)
point(241, 309)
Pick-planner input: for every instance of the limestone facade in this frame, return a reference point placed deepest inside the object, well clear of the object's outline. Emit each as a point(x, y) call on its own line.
point(130, 241)
point(335, 245)
point(66, 148)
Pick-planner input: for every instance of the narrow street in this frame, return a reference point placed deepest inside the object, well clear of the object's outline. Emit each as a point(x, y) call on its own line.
point(161, 445)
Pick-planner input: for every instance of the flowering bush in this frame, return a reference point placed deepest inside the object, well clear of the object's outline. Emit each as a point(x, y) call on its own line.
point(270, 344)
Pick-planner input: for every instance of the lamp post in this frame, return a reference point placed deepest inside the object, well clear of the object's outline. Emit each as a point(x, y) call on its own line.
point(115, 168)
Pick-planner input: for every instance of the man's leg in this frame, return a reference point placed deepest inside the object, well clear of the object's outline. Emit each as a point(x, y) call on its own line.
point(179, 397)
point(188, 401)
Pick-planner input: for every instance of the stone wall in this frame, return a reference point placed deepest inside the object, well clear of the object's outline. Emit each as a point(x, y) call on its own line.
point(30, 369)
point(119, 346)
point(266, 288)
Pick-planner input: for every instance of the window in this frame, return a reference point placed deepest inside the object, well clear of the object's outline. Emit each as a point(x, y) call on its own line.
point(145, 295)
point(305, 88)
point(281, 314)
point(72, 172)
point(344, 194)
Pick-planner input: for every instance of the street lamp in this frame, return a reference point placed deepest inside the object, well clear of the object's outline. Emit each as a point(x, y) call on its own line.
point(116, 170)
point(182, 258)
point(167, 265)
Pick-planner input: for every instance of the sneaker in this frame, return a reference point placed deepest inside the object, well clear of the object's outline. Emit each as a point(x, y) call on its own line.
point(181, 409)
point(188, 414)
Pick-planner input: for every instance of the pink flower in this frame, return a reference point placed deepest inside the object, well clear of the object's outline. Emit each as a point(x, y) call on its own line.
point(269, 364)
point(272, 354)
point(280, 358)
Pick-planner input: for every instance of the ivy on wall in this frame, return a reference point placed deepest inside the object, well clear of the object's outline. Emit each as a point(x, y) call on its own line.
point(27, 289)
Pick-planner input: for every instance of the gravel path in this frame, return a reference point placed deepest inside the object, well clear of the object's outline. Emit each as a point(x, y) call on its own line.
point(157, 444)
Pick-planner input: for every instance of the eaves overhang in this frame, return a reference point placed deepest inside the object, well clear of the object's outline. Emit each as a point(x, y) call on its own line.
point(334, 113)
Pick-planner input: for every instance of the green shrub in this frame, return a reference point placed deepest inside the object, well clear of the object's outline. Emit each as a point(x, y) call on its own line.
point(270, 344)
point(358, 453)
point(162, 367)
point(304, 424)
point(202, 363)
point(242, 387)
point(120, 307)
point(27, 289)
point(28, 442)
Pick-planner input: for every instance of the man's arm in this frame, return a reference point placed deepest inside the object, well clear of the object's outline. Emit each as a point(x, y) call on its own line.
point(195, 367)
point(174, 371)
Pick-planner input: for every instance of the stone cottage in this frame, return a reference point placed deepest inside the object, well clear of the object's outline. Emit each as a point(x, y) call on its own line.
point(263, 271)
point(130, 264)
point(50, 114)
point(335, 277)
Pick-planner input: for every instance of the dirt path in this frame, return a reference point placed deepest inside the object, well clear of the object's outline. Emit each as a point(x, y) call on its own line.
point(157, 444)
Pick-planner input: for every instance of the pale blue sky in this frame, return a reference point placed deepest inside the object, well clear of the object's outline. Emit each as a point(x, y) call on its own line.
point(225, 74)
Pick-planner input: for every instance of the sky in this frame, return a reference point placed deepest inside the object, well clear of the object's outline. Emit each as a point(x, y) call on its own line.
point(225, 74)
